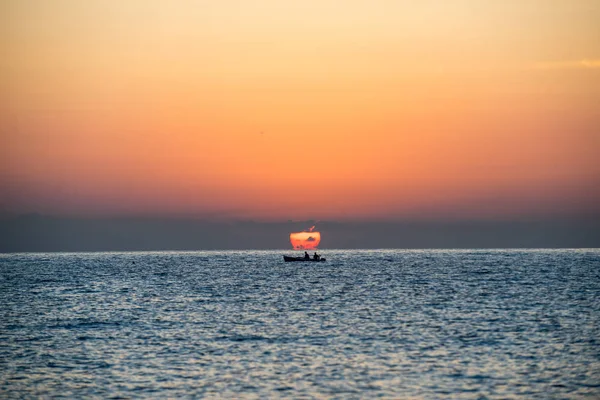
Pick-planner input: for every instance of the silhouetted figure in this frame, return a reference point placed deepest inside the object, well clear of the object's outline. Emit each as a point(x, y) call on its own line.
point(306, 256)
point(316, 256)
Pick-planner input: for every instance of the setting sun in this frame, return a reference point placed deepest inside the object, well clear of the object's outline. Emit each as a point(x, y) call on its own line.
point(305, 240)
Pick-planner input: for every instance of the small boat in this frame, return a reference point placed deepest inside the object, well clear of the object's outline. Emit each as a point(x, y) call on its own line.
point(290, 259)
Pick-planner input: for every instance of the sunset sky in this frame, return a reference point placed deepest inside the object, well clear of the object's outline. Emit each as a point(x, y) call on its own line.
point(297, 109)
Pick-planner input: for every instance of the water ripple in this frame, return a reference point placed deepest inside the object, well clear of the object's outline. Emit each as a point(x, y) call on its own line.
point(393, 324)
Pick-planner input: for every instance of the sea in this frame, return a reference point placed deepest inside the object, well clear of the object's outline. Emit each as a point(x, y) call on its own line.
point(397, 324)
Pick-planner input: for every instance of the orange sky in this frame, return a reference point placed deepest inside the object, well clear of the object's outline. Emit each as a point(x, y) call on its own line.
point(300, 109)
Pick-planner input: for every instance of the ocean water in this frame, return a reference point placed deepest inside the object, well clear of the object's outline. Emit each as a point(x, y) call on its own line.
point(393, 324)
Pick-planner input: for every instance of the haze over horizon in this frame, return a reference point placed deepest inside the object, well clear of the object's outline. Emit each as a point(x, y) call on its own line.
point(301, 110)
point(37, 233)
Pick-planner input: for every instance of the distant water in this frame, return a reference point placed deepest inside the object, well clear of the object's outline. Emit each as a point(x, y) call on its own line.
point(397, 324)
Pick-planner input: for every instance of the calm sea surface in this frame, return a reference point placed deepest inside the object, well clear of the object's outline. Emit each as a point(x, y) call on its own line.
point(394, 324)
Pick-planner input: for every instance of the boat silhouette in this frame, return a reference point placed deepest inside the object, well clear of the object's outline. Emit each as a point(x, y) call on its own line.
point(290, 259)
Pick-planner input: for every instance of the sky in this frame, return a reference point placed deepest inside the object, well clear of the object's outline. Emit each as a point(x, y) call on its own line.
point(289, 110)
point(38, 233)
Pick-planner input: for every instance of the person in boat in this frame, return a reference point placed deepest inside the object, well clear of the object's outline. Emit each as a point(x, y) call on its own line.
point(316, 256)
point(306, 256)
